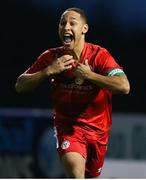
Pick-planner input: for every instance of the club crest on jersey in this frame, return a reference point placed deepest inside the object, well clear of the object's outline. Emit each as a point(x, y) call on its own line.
point(99, 170)
point(65, 144)
point(79, 81)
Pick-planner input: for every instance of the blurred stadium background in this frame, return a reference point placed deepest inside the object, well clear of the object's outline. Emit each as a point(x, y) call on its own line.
point(27, 146)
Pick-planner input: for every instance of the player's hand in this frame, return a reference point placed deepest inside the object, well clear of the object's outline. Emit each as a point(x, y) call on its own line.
point(61, 64)
point(82, 70)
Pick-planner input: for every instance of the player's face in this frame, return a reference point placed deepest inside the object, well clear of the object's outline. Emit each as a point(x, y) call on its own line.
point(72, 29)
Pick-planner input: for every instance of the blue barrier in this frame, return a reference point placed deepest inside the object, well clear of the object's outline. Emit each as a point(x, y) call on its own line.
point(27, 144)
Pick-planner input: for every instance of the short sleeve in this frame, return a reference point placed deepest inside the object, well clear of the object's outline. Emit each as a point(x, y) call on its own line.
point(104, 62)
point(41, 62)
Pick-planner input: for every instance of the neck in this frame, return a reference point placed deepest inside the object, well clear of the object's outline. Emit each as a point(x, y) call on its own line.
point(77, 51)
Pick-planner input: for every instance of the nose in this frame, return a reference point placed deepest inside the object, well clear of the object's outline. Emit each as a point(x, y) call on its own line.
point(67, 26)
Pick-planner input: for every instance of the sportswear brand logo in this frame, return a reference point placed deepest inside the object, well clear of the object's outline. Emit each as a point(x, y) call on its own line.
point(65, 144)
point(79, 81)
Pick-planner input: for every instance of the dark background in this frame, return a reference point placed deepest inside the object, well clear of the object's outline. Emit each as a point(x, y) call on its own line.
point(29, 27)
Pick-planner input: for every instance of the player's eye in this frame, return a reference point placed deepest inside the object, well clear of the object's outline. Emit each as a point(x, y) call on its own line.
point(72, 23)
point(62, 23)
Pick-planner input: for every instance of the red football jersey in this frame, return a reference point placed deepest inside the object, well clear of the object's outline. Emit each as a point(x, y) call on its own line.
point(83, 103)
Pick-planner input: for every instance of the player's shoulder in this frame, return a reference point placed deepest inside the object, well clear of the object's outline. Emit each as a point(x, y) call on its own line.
point(96, 47)
point(51, 52)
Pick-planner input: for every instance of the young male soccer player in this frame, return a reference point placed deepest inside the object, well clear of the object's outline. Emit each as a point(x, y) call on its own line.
point(83, 77)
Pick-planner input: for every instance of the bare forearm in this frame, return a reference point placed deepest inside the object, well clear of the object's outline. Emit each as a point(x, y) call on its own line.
point(116, 84)
point(28, 82)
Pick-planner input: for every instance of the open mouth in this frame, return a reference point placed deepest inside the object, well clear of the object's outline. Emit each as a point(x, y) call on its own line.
point(67, 38)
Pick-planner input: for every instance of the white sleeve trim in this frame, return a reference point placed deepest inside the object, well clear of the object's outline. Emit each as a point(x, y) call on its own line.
point(115, 71)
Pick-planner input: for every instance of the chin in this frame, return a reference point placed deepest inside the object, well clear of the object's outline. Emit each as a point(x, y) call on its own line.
point(68, 47)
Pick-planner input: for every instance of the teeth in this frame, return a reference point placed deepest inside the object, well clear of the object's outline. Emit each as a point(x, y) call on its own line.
point(67, 34)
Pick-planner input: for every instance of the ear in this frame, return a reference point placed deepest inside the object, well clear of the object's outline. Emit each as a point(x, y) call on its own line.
point(85, 28)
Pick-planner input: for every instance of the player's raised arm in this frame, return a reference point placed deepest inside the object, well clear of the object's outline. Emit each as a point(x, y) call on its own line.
point(29, 81)
point(116, 83)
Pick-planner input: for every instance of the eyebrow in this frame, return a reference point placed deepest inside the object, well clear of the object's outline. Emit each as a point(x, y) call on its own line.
point(63, 17)
point(73, 18)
